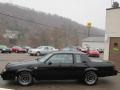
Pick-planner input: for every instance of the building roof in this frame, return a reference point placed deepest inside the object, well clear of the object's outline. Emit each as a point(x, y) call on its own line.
point(94, 39)
point(112, 8)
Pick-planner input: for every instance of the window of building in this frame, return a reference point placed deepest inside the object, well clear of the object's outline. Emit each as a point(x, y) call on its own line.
point(115, 44)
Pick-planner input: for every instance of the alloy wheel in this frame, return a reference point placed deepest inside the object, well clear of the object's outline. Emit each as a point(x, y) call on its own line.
point(24, 78)
point(90, 78)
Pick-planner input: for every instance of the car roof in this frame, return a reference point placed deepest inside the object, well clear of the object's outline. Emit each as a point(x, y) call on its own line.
point(71, 52)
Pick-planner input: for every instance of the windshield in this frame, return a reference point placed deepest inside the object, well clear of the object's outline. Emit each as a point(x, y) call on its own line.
point(44, 58)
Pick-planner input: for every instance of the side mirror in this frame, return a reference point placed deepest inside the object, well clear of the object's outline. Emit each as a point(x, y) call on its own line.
point(84, 61)
point(49, 63)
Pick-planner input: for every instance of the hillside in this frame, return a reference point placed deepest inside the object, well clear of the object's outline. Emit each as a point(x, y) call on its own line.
point(37, 28)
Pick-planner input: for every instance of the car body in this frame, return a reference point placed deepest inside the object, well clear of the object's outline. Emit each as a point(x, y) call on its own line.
point(42, 50)
point(59, 66)
point(101, 50)
point(27, 48)
point(18, 49)
point(93, 53)
point(4, 49)
point(84, 50)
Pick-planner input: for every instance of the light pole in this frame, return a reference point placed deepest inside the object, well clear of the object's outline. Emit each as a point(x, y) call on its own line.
point(89, 25)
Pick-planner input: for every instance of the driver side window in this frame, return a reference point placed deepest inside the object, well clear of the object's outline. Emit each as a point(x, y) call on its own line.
point(61, 58)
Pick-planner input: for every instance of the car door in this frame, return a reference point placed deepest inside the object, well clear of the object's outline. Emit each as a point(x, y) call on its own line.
point(80, 64)
point(66, 66)
point(46, 50)
point(45, 70)
point(58, 66)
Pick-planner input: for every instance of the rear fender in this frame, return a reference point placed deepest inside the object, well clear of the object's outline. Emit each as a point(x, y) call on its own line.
point(91, 69)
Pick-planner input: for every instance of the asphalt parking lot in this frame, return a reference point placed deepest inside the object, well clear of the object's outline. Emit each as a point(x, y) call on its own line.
point(109, 83)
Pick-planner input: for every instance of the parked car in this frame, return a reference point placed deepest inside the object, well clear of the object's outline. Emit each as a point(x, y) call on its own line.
point(18, 49)
point(101, 50)
point(93, 53)
point(4, 49)
point(59, 66)
point(84, 50)
point(42, 50)
point(27, 48)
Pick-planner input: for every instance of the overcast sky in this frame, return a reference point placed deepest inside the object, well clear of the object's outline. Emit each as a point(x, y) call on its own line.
point(81, 11)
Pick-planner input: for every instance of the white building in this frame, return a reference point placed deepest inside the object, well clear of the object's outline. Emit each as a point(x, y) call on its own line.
point(93, 42)
point(112, 40)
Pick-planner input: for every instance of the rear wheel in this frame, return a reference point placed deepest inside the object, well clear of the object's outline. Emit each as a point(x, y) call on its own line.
point(90, 78)
point(24, 78)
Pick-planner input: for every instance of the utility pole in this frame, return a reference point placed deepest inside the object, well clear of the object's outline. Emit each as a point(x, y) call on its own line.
point(89, 25)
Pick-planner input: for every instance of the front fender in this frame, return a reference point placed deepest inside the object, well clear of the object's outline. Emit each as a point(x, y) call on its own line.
point(21, 70)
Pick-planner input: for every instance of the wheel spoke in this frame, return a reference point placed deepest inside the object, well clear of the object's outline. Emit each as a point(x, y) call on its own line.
point(90, 78)
point(25, 78)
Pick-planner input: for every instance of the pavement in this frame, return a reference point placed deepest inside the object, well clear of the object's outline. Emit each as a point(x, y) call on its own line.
point(108, 83)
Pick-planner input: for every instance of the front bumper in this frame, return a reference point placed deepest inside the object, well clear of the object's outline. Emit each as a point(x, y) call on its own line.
point(7, 75)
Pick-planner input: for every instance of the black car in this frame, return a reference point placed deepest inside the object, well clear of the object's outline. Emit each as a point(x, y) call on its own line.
point(4, 49)
point(59, 66)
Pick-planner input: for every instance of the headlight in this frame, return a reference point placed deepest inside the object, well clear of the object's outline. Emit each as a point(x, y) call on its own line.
point(4, 70)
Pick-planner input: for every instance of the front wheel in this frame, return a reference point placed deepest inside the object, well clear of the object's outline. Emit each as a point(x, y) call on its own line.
point(38, 53)
point(90, 78)
point(24, 78)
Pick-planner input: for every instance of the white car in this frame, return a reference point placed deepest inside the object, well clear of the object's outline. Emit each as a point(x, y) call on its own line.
point(42, 50)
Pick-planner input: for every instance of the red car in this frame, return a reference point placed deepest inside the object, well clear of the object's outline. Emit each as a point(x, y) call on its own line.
point(18, 49)
point(93, 53)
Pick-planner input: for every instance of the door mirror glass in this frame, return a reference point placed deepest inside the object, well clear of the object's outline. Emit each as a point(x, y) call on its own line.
point(84, 61)
point(49, 63)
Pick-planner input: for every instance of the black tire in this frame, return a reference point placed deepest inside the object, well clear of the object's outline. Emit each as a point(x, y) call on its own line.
point(24, 78)
point(90, 78)
point(38, 54)
point(31, 54)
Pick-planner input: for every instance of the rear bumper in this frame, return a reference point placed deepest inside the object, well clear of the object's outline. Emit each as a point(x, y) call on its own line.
point(108, 73)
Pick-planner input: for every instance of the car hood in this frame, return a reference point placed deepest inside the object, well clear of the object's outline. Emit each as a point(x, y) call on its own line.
point(23, 63)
